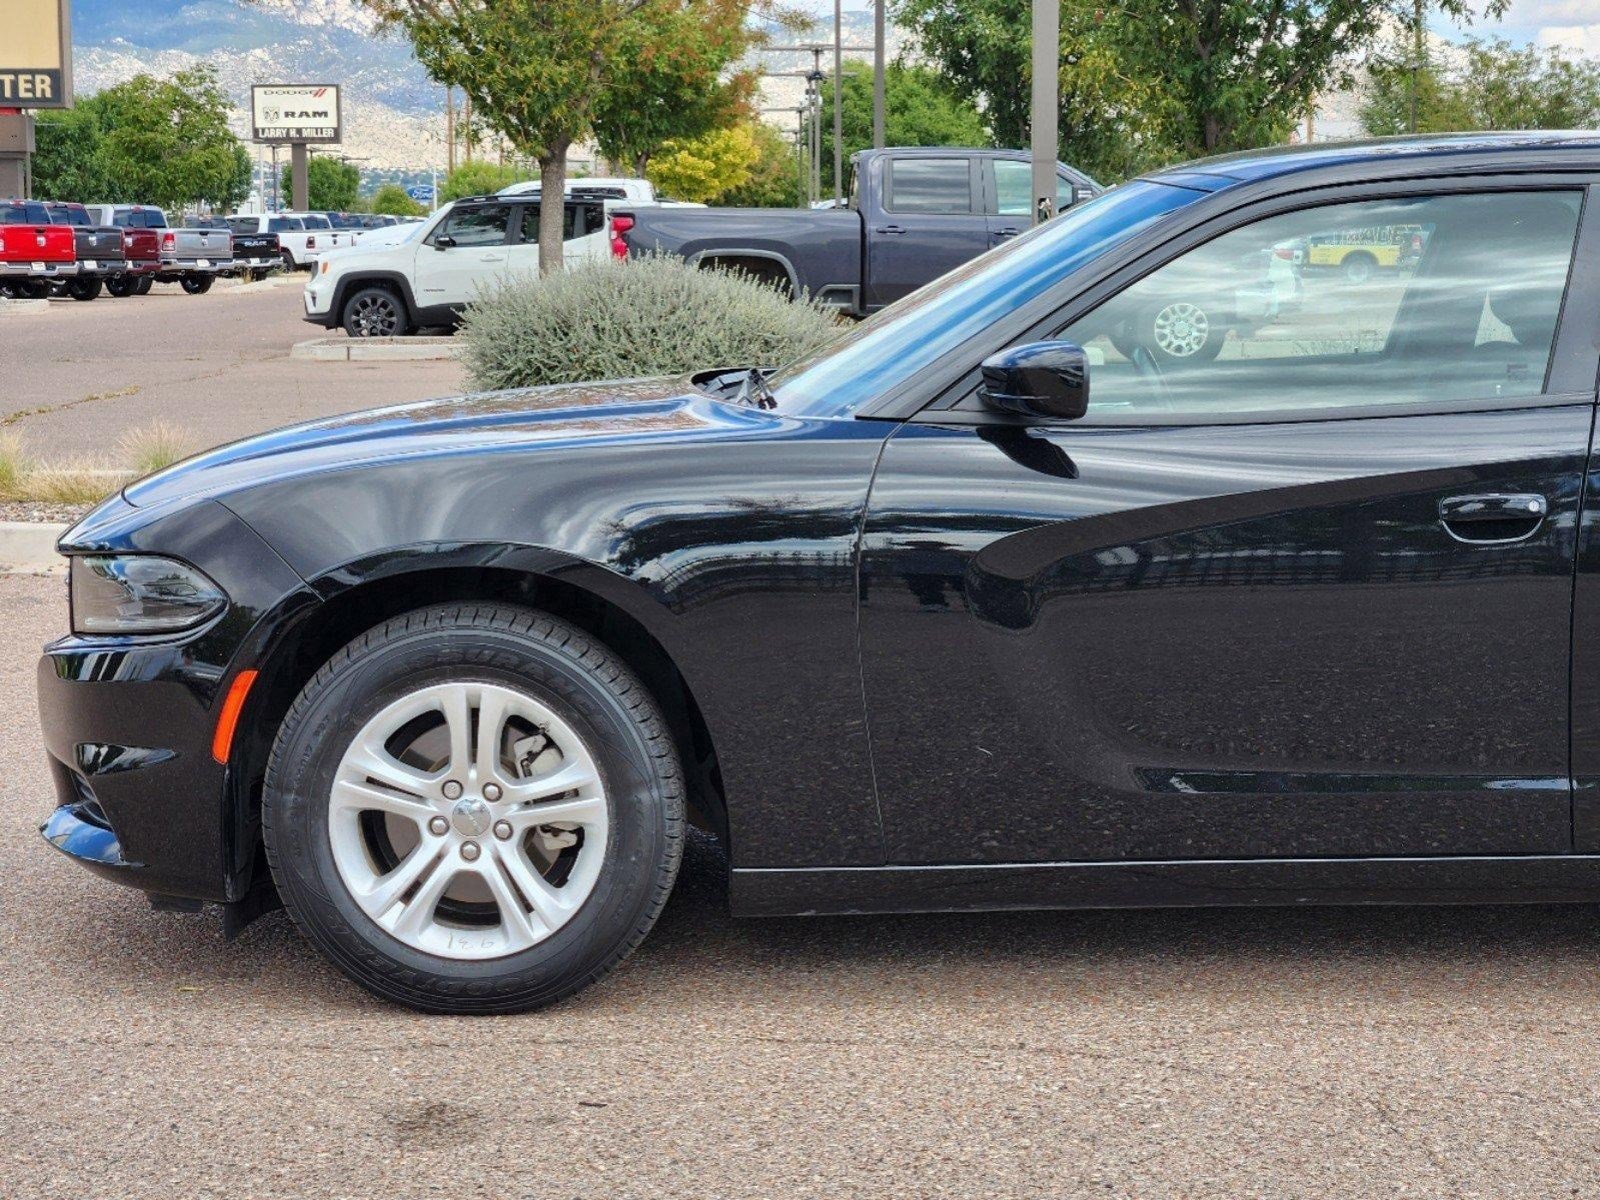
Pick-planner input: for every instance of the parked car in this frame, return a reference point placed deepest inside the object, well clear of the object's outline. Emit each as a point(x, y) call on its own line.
point(297, 246)
point(324, 236)
point(397, 281)
point(913, 215)
point(35, 254)
point(142, 250)
point(1309, 623)
point(1358, 254)
point(101, 253)
point(254, 253)
point(192, 257)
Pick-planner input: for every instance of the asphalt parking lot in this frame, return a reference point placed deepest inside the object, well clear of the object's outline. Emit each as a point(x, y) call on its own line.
point(74, 378)
point(1278, 1053)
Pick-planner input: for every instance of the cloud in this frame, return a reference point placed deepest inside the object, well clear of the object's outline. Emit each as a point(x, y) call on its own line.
point(1553, 12)
point(1582, 39)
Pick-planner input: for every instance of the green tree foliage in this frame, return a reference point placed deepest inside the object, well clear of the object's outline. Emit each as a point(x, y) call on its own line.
point(677, 85)
point(774, 180)
point(332, 185)
point(1481, 84)
point(391, 199)
point(1151, 81)
point(478, 179)
point(919, 109)
point(705, 168)
point(151, 141)
point(69, 164)
point(535, 70)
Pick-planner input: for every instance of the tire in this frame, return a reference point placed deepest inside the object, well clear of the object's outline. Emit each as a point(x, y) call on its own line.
point(122, 286)
point(85, 289)
point(441, 950)
point(1357, 268)
point(288, 261)
point(375, 312)
point(1180, 333)
point(33, 289)
point(198, 285)
point(142, 288)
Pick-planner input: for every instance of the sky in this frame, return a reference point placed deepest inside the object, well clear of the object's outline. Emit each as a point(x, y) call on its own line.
point(1571, 23)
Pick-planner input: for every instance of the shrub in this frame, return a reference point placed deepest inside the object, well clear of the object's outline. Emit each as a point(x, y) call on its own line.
point(15, 465)
point(649, 316)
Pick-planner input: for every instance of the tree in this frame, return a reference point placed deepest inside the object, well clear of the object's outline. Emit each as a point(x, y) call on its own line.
point(167, 142)
point(331, 184)
point(478, 179)
point(676, 86)
point(705, 168)
point(534, 69)
point(774, 180)
point(1479, 84)
point(69, 162)
point(1151, 81)
point(391, 199)
point(919, 109)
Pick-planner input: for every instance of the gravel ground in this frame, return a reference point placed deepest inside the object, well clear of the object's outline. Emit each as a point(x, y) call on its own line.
point(41, 511)
point(1294, 1053)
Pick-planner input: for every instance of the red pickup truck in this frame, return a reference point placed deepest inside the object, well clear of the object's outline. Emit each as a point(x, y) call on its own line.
point(33, 253)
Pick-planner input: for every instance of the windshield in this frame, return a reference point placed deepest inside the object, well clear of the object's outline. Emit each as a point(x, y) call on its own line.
point(886, 349)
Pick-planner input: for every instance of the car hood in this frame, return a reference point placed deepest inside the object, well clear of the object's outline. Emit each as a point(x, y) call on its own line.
point(568, 415)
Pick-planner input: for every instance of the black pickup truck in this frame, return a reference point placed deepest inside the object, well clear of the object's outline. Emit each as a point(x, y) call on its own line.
point(255, 255)
point(101, 254)
point(913, 215)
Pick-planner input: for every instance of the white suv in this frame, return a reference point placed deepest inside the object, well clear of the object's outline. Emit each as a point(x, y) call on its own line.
point(396, 281)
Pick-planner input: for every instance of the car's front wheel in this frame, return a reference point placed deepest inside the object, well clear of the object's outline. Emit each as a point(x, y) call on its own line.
point(474, 809)
point(375, 312)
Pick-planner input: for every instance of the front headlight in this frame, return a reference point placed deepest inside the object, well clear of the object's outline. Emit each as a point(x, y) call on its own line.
point(140, 594)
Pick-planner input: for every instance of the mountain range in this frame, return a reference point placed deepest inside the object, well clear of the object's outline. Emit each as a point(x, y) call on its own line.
point(393, 112)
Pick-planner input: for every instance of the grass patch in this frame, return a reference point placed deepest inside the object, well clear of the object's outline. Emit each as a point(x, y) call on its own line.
point(84, 482)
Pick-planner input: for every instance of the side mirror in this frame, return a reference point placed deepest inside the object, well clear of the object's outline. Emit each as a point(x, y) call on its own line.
point(1045, 379)
point(444, 242)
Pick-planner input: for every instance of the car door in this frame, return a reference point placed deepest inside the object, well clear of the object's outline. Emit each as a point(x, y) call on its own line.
point(468, 248)
point(1009, 192)
point(931, 220)
point(1301, 591)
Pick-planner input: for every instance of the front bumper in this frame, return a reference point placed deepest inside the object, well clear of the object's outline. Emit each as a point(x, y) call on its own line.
point(318, 299)
point(127, 722)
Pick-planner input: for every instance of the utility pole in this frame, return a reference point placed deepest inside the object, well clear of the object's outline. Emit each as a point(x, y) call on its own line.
point(879, 37)
point(1046, 102)
point(1418, 47)
point(838, 101)
point(450, 128)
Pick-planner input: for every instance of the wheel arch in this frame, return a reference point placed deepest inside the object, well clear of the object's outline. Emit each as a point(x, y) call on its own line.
point(394, 281)
point(360, 596)
point(766, 264)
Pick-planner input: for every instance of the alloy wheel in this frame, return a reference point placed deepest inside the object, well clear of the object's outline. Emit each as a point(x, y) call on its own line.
point(468, 820)
point(1181, 329)
point(375, 316)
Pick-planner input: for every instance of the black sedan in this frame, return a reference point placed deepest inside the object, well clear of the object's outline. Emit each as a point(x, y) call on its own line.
point(1035, 590)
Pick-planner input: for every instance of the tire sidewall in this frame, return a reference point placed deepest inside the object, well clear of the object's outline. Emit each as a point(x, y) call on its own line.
point(306, 761)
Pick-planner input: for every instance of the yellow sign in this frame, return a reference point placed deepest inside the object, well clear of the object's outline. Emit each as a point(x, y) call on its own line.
point(35, 54)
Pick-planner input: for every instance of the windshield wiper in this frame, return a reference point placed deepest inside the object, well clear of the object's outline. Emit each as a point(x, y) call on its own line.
point(753, 390)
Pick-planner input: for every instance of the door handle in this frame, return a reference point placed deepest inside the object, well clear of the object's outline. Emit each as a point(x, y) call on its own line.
point(1008, 232)
point(892, 229)
point(492, 258)
point(1494, 517)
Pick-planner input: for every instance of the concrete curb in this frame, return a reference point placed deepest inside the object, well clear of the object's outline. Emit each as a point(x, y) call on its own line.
point(14, 308)
point(29, 547)
point(409, 349)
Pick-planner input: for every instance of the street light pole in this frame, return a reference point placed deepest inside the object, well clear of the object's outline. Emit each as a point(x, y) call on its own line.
point(1046, 99)
point(878, 38)
point(838, 101)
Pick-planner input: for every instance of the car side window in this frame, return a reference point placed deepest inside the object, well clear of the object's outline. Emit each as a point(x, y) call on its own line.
point(482, 226)
point(1013, 187)
point(1406, 301)
point(929, 185)
point(575, 222)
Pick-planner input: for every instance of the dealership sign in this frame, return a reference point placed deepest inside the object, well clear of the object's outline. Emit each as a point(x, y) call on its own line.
point(35, 54)
point(293, 112)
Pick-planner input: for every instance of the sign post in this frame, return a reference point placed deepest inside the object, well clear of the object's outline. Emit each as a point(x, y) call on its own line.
point(302, 115)
point(35, 72)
